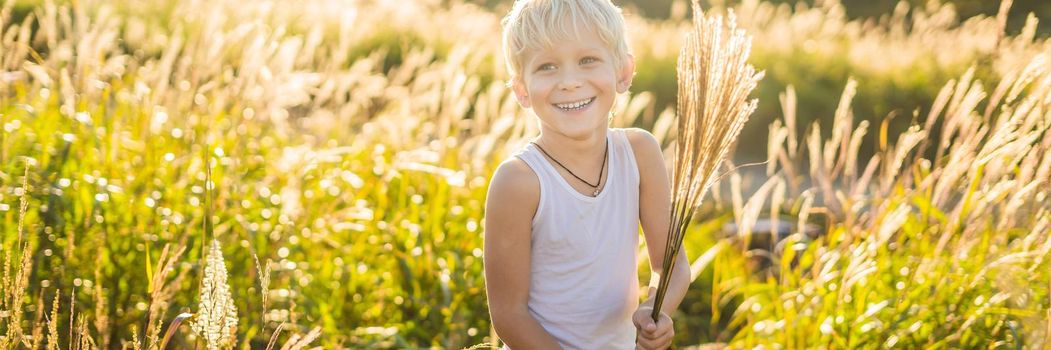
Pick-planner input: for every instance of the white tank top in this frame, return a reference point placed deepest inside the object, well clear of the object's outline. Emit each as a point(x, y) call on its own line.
point(584, 281)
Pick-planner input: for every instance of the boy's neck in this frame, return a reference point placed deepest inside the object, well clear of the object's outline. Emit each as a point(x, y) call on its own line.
point(578, 151)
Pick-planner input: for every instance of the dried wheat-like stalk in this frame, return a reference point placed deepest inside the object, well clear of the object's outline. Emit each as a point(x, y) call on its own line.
point(216, 318)
point(714, 81)
point(273, 337)
point(102, 320)
point(14, 291)
point(135, 343)
point(36, 337)
point(52, 323)
point(264, 283)
point(174, 327)
point(5, 284)
point(298, 342)
point(161, 293)
point(84, 339)
point(72, 315)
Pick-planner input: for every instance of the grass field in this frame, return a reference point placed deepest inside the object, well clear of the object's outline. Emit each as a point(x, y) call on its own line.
point(337, 154)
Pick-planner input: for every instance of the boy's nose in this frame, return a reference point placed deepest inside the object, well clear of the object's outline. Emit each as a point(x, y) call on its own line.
point(569, 82)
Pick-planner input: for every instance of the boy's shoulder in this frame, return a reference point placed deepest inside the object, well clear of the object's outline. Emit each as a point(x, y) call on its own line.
point(649, 156)
point(642, 141)
point(514, 181)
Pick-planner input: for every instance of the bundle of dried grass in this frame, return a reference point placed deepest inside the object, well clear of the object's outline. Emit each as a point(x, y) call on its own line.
point(714, 80)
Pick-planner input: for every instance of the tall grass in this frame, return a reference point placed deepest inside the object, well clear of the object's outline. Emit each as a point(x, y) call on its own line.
point(945, 251)
point(333, 179)
point(350, 144)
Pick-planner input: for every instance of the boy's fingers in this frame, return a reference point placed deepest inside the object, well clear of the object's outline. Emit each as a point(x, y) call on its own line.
point(641, 316)
point(649, 344)
point(661, 334)
point(645, 324)
point(646, 343)
point(657, 343)
point(662, 328)
point(647, 339)
point(669, 338)
point(654, 339)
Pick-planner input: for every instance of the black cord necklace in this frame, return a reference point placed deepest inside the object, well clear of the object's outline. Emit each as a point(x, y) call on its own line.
point(605, 156)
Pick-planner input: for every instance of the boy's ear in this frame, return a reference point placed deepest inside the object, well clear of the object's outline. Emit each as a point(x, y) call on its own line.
point(520, 92)
point(626, 74)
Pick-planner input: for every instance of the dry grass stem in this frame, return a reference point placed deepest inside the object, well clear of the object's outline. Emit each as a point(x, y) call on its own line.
point(102, 320)
point(37, 335)
point(72, 316)
point(264, 283)
point(298, 342)
point(162, 290)
point(135, 343)
point(273, 337)
point(15, 290)
point(173, 328)
point(52, 323)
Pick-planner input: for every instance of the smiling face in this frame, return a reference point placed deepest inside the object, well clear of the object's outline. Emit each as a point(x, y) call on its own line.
point(571, 85)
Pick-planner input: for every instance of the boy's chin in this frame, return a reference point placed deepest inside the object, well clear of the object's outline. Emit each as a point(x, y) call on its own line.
point(575, 117)
point(579, 131)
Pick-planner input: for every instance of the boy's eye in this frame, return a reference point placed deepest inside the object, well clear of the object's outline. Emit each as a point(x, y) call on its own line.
point(545, 66)
point(588, 59)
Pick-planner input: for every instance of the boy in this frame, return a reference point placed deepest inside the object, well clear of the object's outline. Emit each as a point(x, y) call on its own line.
point(562, 215)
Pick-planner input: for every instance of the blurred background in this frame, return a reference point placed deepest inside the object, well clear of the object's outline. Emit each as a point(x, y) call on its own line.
point(663, 9)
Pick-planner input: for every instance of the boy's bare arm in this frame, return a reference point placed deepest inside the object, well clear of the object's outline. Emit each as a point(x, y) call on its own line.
point(514, 194)
point(654, 211)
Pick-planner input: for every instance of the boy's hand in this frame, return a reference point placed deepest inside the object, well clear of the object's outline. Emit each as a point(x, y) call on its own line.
point(652, 335)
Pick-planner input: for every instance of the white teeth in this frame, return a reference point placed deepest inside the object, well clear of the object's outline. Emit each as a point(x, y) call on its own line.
point(574, 105)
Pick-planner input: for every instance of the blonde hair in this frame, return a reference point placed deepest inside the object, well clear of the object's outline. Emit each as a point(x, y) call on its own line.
point(536, 24)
